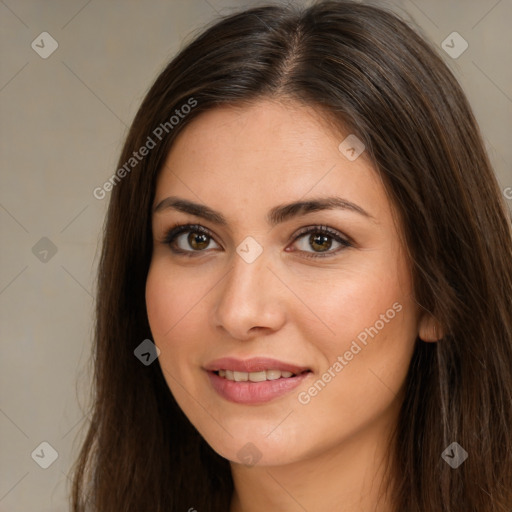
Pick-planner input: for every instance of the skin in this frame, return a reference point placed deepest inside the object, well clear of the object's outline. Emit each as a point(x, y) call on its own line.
point(242, 162)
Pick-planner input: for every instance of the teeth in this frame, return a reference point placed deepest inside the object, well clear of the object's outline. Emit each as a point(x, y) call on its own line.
point(254, 376)
point(240, 376)
point(273, 374)
point(258, 376)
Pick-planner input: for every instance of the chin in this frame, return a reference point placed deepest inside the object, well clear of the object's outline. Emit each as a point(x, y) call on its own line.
point(255, 442)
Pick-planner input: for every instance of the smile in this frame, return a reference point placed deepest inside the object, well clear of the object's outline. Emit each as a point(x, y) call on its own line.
point(256, 380)
point(254, 376)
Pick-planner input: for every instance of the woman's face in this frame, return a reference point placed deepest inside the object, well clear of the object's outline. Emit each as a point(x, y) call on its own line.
point(284, 314)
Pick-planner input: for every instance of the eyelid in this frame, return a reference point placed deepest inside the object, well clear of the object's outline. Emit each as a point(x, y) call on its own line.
point(178, 229)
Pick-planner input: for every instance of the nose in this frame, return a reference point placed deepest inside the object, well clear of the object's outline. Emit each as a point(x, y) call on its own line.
point(250, 300)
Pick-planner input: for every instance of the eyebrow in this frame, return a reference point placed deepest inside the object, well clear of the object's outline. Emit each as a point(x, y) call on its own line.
point(276, 215)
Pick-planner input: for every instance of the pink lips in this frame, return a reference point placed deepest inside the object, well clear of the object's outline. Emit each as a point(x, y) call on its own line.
point(254, 392)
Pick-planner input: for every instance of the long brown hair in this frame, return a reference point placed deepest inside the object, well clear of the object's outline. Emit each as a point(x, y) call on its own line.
point(368, 71)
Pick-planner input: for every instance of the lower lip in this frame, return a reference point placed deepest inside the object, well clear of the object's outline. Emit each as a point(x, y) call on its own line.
point(254, 392)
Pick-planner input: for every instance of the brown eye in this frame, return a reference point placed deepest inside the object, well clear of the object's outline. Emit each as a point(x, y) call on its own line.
point(317, 241)
point(190, 239)
point(198, 241)
point(320, 242)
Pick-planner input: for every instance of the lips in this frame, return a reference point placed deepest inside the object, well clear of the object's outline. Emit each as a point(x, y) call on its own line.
point(254, 381)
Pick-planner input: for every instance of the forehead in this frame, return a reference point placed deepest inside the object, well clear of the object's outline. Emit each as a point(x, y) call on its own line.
point(265, 154)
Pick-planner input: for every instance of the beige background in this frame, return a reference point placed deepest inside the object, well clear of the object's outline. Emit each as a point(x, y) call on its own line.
point(63, 120)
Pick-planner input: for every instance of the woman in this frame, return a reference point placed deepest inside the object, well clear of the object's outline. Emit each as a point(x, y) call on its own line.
point(305, 223)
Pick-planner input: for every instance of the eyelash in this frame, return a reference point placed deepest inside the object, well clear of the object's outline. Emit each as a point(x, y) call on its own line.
point(179, 229)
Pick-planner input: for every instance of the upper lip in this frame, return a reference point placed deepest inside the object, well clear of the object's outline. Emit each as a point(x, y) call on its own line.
point(255, 364)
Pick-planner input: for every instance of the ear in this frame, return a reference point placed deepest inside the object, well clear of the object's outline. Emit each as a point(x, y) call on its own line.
point(429, 329)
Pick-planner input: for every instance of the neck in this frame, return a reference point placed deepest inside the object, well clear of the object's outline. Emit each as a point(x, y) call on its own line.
point(351, 477)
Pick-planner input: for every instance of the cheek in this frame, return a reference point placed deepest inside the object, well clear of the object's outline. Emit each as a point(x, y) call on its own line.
point(348, 303)
point(372, 326)
point(175, 304)
point(160, 302)
point(167, 304)
point(171, 297)
point(366, 358)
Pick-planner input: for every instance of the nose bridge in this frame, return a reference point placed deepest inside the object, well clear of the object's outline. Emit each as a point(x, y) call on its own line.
point(247, 298)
